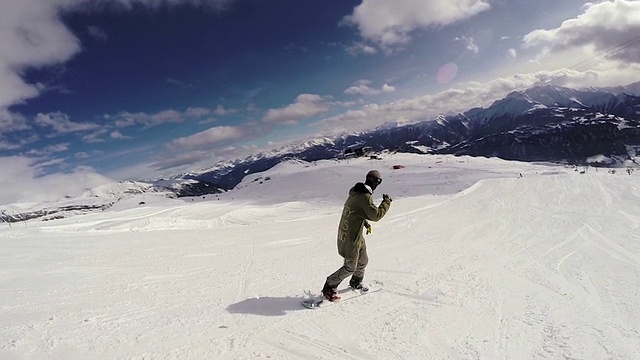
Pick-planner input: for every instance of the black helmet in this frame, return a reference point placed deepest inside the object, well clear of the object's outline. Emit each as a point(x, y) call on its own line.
point(374, 177)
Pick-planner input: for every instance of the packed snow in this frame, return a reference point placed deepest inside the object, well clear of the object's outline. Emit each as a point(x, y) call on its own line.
point(480, 259)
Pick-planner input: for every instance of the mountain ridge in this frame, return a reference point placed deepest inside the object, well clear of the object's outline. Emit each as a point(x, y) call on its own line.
point(547, 123)
point(531, 110)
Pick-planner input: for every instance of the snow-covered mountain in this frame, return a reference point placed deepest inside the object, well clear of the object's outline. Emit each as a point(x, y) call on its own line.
point(551, 123)
point(542, 123)
point(480, 259)
point(104, 197)
point(229, 174)
point(598, 126)
point(96, 199)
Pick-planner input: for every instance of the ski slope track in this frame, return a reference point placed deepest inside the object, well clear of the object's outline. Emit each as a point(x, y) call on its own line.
point(480, 259)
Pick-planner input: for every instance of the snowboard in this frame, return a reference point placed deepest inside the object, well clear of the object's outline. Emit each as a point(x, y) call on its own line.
point(318, 301)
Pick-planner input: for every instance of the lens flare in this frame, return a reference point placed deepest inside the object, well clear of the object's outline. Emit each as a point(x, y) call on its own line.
point(447, 73)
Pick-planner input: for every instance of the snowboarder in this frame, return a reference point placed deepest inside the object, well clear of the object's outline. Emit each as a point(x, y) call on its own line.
point(358, 210)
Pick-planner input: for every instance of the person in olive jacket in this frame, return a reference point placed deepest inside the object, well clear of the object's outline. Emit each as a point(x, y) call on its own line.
point(358, 210)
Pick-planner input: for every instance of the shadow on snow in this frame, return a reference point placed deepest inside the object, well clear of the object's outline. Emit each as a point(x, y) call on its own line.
point(267, 306)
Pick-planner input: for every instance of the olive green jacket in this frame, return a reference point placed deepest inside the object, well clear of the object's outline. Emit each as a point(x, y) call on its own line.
point(358, 208)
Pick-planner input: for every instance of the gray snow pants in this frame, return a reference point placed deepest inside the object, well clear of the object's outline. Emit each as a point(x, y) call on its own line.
point(352, 266)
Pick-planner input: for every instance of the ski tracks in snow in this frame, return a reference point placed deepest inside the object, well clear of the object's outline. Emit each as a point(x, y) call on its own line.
point(312, 340)
point(314, 334)
point(244, 278)
point(534, 268)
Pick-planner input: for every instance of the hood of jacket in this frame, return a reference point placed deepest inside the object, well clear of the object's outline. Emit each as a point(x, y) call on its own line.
point(361, 188)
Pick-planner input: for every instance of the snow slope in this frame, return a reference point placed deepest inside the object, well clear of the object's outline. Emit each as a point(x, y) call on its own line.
point(477, 261)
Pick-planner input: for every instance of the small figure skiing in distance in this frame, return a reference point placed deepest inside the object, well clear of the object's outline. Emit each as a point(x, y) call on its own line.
point(358, 210)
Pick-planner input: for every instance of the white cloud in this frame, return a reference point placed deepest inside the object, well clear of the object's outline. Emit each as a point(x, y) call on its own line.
point(361, 48)
point(21, 181)
point(186, 159)
point(60, 123)
point(465, 97)
point(210, 137)
point(51, 149)
point(387, 88)
point(207, 121)
point(10, 122)
point(364, 89)
point(221, 111)
point(56, 148)
point(186, 162)
point(49, 163)
point(512, 54)
point(305, 106)
point(197, 112)
point(33, 35)
point(127, 119)
point(601, 28)
point(389, 24)
point(18, 142)
point(8, 145)
point(469, 43)
point(118, 135)
point(163, 117)
point(95, 137)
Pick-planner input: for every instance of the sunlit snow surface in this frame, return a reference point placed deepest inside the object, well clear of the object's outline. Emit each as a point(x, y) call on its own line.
point(481, 259)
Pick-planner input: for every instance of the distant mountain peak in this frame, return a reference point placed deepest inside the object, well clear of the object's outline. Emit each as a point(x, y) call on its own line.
point(539, 109)
point(387, 125)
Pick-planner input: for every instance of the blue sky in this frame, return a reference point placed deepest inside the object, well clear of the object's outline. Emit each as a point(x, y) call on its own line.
point(136, 89)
